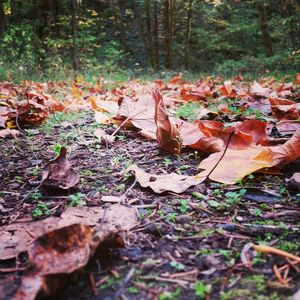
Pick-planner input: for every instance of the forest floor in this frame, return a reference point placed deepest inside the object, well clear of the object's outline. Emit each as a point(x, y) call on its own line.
point(185, 246)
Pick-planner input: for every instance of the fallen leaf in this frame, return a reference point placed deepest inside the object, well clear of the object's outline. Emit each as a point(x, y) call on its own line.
point(294, 181)
point(19, 237)
point(167, 133)
point(257, 90)
point(284, 109)
point(7, 133)
point(58, 173)
point(236, 164)
point(161, 183)
point(104, 137)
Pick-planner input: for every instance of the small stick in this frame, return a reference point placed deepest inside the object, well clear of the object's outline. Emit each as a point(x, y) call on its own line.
point(227, 144)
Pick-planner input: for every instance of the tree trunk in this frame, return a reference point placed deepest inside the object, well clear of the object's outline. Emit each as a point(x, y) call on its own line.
point(74, 35)
point(2, 18)
point(188, 33)
point(149, 34)
point(141, 27)
point(53, 9)
point(155, 36)
point(264, 28)
point(15, 11)
point(168, 33)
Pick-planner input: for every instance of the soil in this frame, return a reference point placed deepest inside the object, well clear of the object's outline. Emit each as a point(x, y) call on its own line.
point(186, 246)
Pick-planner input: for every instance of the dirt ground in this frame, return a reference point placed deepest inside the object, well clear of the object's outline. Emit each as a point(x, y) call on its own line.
point(186, 246)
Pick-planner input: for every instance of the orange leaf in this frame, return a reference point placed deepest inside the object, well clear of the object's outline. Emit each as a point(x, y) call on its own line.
point(167, 133)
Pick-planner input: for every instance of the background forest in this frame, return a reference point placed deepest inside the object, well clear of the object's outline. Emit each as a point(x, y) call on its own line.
point(49, 39)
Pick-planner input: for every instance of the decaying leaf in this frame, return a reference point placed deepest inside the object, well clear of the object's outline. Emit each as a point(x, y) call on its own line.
point(58, 173)
point(168, 136)
point(7, 133)
point(104, 137)
point(161, 183)
point(66, 245)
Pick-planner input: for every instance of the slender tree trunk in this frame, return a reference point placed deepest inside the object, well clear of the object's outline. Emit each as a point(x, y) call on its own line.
point(264, 28)
point(15, 11)
point(74, 35)
point(188, 33)
point(53, 9)
point(149, 33)
point(2, 18)
point(168, 33)
point(155, 36)
point(141, 27)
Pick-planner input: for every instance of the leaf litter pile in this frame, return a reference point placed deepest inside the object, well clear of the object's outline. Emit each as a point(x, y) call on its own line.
point(163, 190)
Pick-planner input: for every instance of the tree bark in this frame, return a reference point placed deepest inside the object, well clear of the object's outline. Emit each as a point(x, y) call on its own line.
point(188, 33)
point(141, 27)
point(74, 36)
point(53, 9)
point(149, 34)
point(168, 33)
point(264, 28)
point(2, 18)
point(155, 36)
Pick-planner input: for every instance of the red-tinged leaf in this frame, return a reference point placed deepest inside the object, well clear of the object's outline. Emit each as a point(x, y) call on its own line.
point(284, 109)
point(59, 174)
point(257, 90)
point(193, 137)
point(236, 164)
point(167, 133)
point(288, 152)
point(297, 78)
point(228, 90)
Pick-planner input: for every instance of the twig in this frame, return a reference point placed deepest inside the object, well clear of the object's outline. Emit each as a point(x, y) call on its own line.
point(226, 147)
point(124, 122)
point(128, 277)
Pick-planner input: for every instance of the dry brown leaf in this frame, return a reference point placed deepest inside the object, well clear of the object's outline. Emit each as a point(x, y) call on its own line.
point(58, 173)
point(167, 133)
point(139, 112)
point(257, 90)
point(61, 252)
point(7, 133)
point(104, 137)
point(18, 237)
point(161, 183)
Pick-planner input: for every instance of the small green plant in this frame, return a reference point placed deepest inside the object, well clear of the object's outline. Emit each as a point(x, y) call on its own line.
point(36, 171)
point(19, 179)
point(77, 200)
point(177, 266)
point(167, 162)
point(166, 295)
point(256, 212)
point(184, 206)
point(171, 217)
point(199, 196)
point(217, 193)
point(41, 209)
point(201, 289)
point(188, 111)
point(57, 148)
point(233, 198)
point(37, 195)
point(120, 187)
